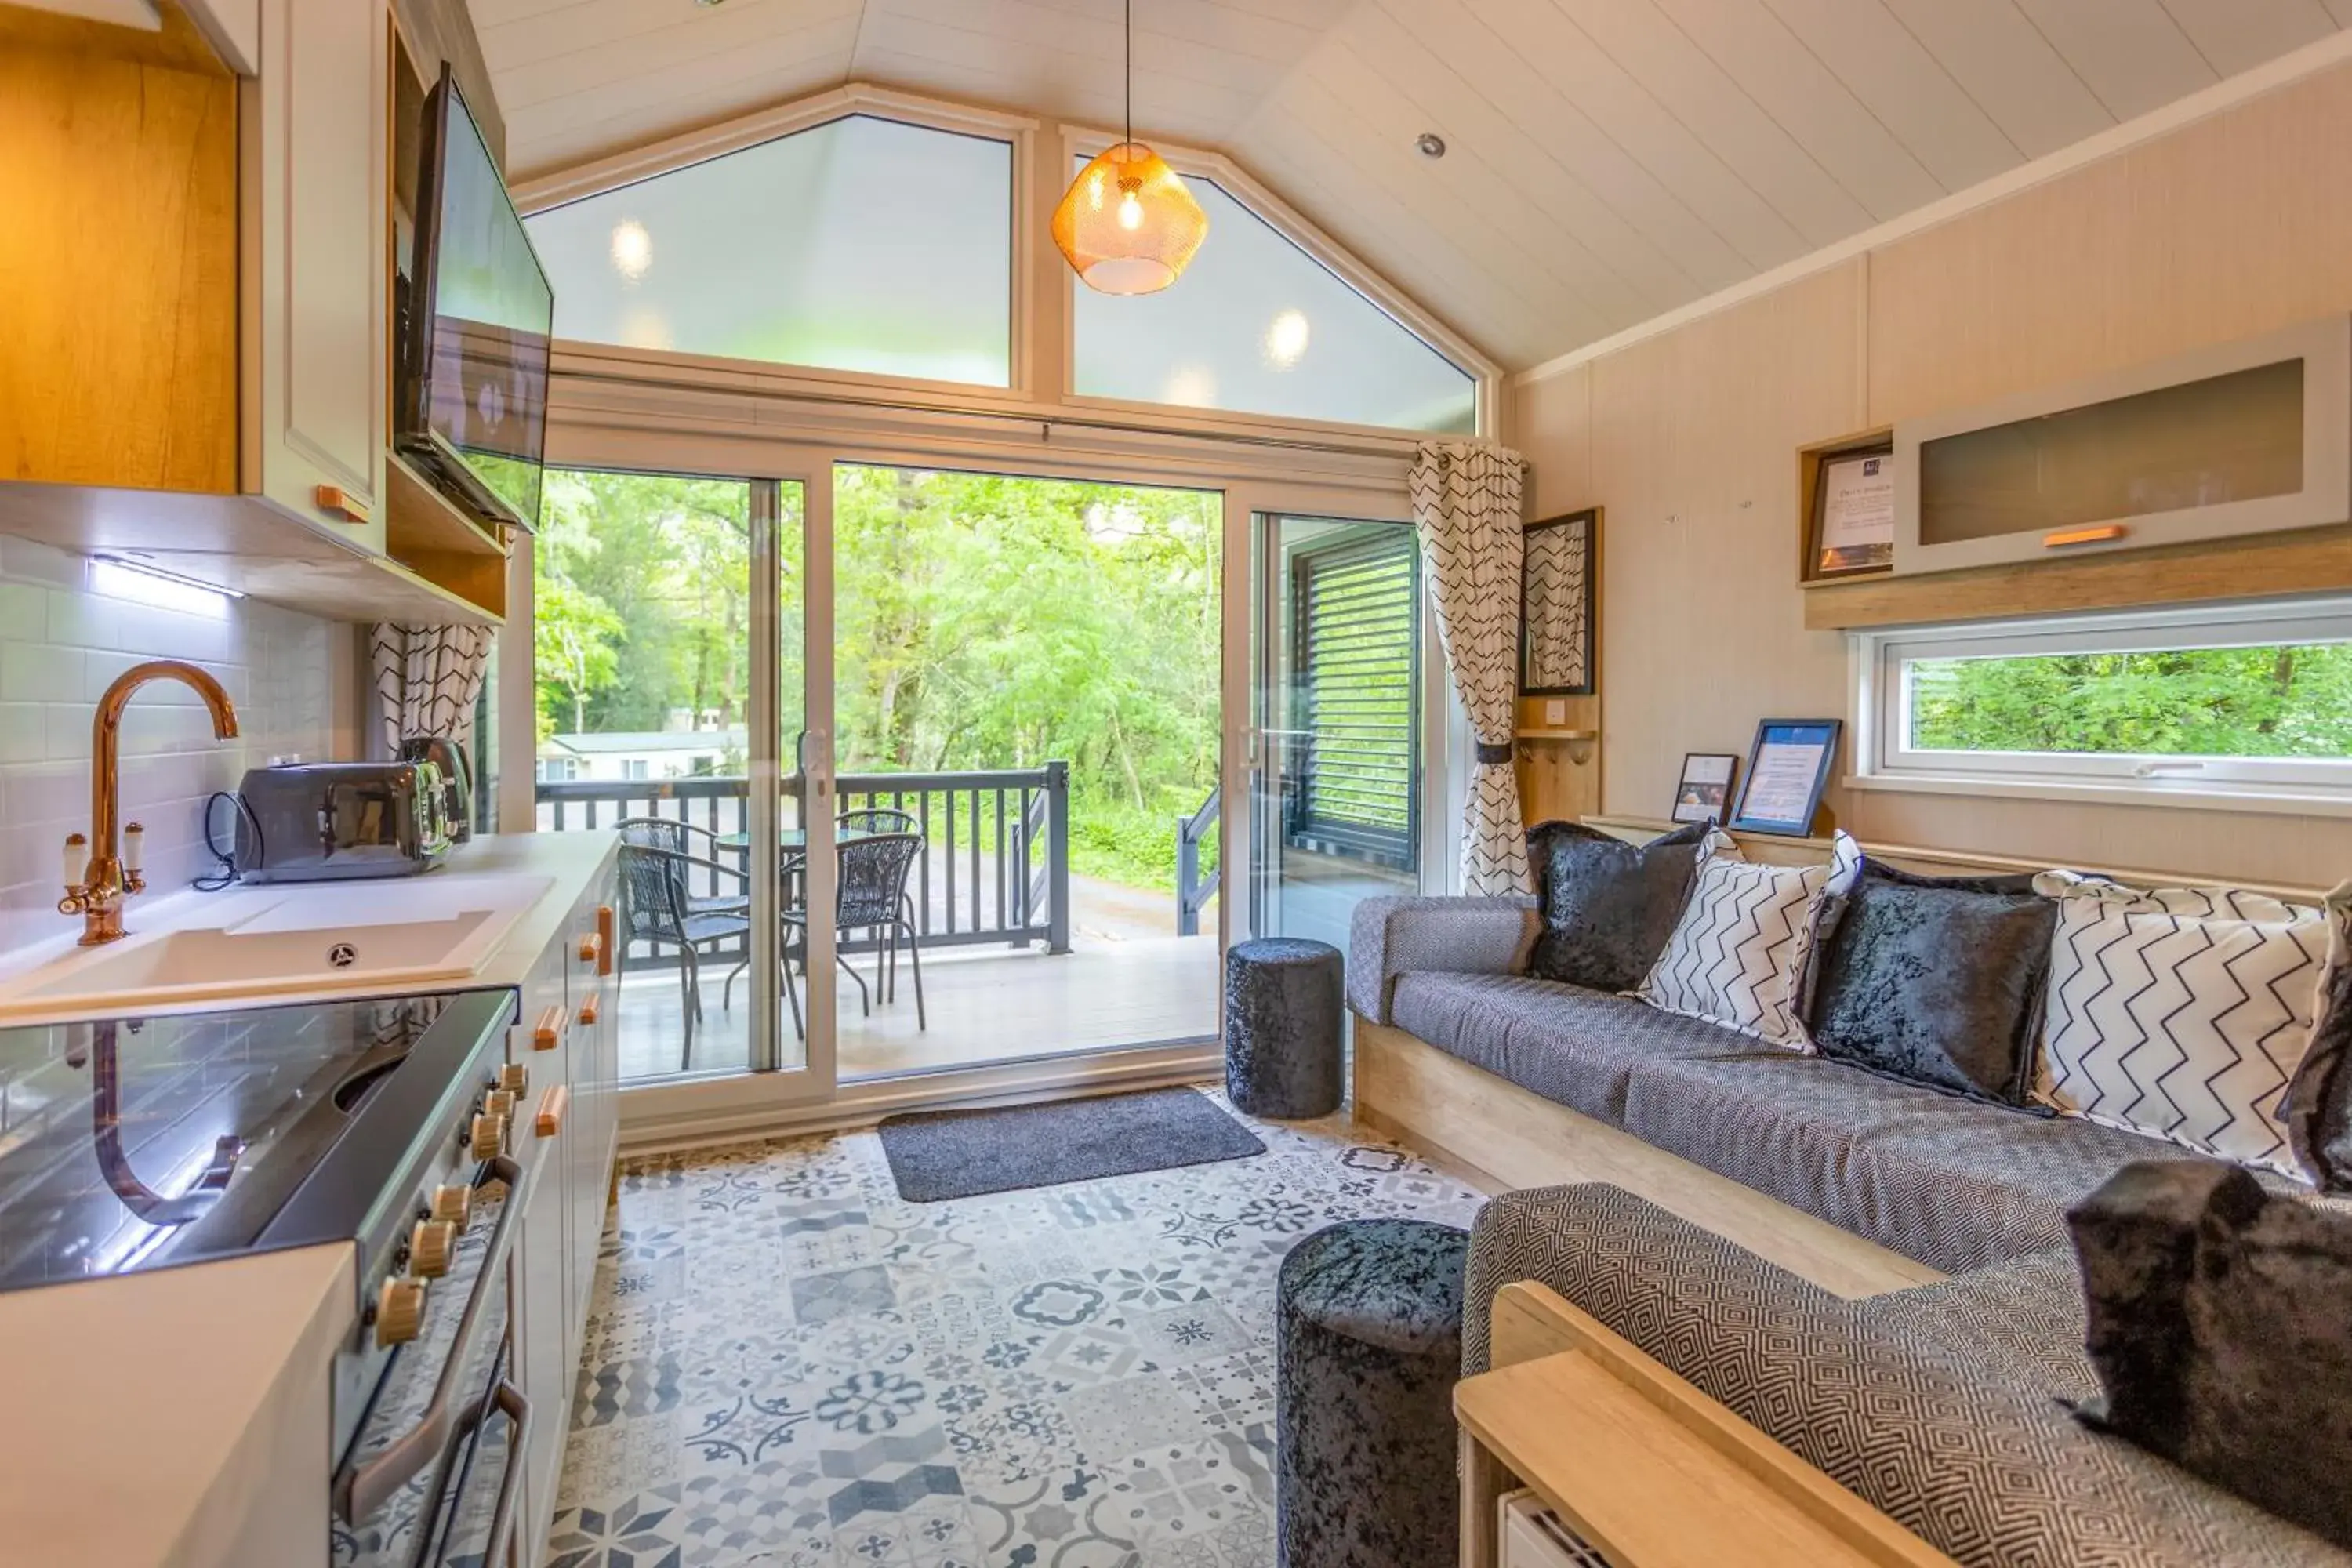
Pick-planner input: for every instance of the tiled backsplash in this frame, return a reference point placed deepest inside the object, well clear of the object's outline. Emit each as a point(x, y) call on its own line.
point(63, 640)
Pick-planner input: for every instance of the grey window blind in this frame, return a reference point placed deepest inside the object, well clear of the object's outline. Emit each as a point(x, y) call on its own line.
point(1356, 622)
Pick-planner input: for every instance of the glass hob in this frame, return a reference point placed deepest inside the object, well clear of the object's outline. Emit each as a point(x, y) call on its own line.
point(132, 1144)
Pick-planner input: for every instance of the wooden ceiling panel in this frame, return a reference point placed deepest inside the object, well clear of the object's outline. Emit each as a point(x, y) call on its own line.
point(2130, 52)
point(1999, 58)
point(1513, 118)
point(1608, 159)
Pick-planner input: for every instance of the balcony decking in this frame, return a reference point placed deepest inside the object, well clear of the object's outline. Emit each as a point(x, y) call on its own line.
point(986, 1006)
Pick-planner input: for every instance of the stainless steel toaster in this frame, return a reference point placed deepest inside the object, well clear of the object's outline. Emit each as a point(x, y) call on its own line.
point(318, 822)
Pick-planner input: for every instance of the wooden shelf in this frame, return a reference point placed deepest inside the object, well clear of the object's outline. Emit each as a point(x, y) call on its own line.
point(1556, 734)
point(420, 521)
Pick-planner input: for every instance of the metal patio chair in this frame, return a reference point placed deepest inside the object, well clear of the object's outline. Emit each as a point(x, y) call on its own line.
point(657, 908)
point(872, 895)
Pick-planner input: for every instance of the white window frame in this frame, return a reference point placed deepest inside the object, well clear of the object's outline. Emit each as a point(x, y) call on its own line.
point(1884, 760)
point(1041, 364)
point(1081, 143)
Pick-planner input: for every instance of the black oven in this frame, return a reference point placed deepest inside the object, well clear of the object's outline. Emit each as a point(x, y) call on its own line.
point(432, 1476)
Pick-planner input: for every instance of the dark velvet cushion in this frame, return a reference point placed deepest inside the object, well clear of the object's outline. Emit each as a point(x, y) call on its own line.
point(1937, 980)
point(2219, 1329)
point(2318, 1109)
point(1608, 906)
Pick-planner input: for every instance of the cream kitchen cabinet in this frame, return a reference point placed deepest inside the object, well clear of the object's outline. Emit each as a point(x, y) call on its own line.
point(312, 198)
point(566, 1123)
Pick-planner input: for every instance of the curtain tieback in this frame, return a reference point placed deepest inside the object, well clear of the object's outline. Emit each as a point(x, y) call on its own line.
point(1491, 752)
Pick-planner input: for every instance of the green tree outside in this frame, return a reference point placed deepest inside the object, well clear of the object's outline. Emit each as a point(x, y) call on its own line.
point(2274, 702)
point(981, 622)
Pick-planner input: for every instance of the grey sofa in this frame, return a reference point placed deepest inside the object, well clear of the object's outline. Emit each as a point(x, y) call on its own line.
point(1956, 1184)
point(1940, 1404)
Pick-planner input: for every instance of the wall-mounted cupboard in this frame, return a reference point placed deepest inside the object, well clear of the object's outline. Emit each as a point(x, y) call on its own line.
point(2222, 472)
point(199, 260)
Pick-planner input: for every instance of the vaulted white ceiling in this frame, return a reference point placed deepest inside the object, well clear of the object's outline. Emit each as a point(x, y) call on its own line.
point(1609, 159)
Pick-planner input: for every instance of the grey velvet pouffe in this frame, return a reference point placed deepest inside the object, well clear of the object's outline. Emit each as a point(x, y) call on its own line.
point(1368, 1344)
point(1282, 1028)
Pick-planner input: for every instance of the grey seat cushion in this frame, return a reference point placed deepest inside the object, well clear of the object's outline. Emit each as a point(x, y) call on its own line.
point(1907, 1400)
point(1574, 1047)
point(1954, 1182)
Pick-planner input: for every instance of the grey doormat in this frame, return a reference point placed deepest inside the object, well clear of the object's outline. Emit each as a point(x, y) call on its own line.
point(940, 1154)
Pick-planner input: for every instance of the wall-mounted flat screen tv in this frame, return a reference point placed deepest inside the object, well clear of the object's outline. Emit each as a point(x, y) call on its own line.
point(474, 403)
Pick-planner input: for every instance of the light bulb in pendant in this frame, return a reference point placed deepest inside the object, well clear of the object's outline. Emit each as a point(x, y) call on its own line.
point(1130, 212)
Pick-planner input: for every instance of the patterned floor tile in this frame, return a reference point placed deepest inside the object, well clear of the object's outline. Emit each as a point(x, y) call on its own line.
point(787, 1365)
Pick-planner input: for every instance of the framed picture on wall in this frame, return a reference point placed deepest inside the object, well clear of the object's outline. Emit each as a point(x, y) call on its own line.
point(1703, 793)
point(1854, 513)
point(1788, 768)
point(1556, 583)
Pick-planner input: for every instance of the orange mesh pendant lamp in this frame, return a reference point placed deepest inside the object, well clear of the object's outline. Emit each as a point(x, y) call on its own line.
point(1126, 224)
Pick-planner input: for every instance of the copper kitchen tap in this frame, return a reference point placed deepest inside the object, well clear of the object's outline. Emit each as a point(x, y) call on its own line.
point(95, 888)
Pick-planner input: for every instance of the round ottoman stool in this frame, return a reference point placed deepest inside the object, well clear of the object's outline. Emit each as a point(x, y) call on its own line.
point(1282, 1026)
point(1368, 1348)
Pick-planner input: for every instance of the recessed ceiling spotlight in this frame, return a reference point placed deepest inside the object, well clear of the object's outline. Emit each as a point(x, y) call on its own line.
point(1431, 144)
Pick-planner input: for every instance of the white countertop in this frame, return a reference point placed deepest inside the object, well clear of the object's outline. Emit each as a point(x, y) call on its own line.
point(550, 869)
point(137, 1412)
point(141, 1412)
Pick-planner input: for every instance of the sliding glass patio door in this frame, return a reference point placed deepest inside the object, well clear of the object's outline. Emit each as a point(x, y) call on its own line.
point(672, 665)
point(1341, 724)
point(1026, 696)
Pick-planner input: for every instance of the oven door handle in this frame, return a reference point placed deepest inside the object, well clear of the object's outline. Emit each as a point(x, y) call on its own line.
point(509, 1398)
point(361, 1488)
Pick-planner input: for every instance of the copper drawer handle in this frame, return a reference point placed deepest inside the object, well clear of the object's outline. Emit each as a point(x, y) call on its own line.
point(592, 948)
point(603, 939)
point(2106, 535)
point(552, 1108)
point(588, 1010)
point(341, 502)
point(548, 1033)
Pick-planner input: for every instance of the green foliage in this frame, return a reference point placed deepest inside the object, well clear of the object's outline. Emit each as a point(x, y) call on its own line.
point(981, 622)
point(2281, 701)
point(650, 576)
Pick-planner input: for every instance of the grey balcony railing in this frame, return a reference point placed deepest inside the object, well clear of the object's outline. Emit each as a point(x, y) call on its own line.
point(1194, 890)
point(995, 867)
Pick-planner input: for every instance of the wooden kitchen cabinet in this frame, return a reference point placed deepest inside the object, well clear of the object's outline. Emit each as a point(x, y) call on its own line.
point(313, 184)
point(567, 1123)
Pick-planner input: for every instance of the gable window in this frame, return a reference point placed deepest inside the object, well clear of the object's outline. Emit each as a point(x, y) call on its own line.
point(1258, 326)
point(2242, 701)
point(862, 244)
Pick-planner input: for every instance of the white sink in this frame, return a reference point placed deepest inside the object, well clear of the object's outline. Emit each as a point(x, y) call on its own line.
point(269, 942)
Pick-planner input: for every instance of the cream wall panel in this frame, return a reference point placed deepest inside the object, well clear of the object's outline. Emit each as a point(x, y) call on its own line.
point(2229, 228)
point(1554, 418)
point(2225, 227)
point(1691, 458)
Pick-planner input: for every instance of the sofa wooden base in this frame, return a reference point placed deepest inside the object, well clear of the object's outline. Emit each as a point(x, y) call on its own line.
point(1508, 1137)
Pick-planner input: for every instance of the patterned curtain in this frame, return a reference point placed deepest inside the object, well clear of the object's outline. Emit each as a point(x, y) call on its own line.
point(1466, 506)
point(425, 680)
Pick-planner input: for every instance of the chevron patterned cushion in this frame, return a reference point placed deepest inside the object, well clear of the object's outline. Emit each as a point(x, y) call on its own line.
point(1746, 935)
point(2181, 1012)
